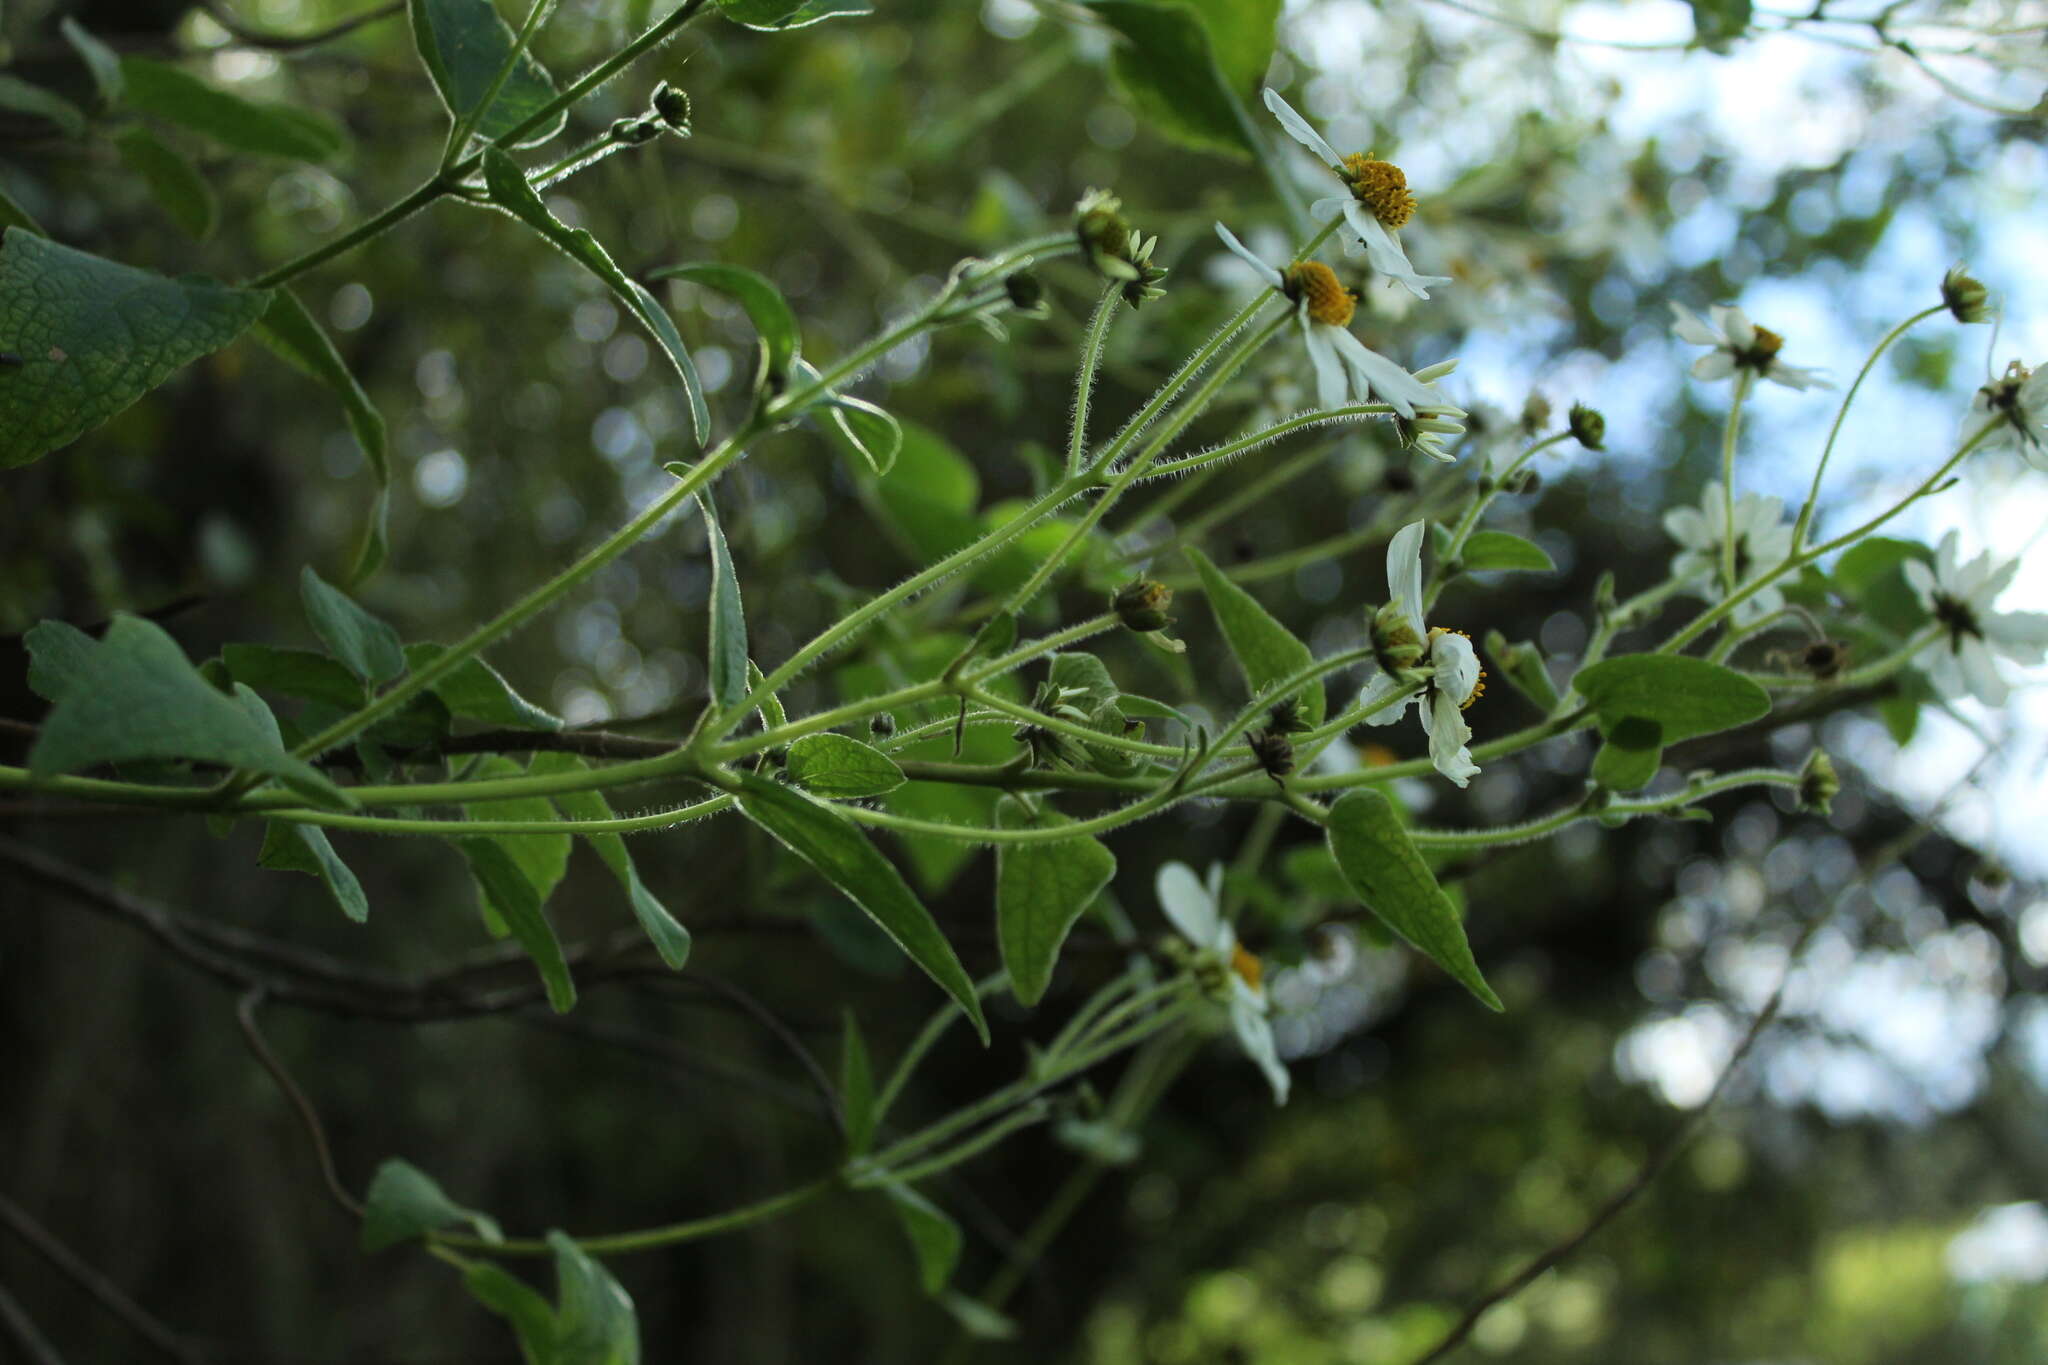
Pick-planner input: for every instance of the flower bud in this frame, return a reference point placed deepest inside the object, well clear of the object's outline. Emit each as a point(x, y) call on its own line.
point(1536, 413)
point(882, 725)
point(1286, 718)
point(1818, 784)
point(1274, 751)
point(1588, 427)
point(631, 132)
point(1026, 291)
point(1394, 643)
point(1104, 235)
point(1967, 299)
point(1142, 604)
point(672, 107)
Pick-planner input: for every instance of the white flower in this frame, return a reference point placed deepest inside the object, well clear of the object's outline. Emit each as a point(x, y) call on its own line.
point(1343, 365)
point(1762, 542)
point(1409, 651)
point(1226, 970)
point(1739, 344)
point(1378, 202)
point(2018, 404)
point(1959, 596)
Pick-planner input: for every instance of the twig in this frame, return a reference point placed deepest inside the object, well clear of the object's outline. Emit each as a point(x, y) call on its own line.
point(103, 1291)
point(21, 1329)
point(242, 33)
point(245, 1014)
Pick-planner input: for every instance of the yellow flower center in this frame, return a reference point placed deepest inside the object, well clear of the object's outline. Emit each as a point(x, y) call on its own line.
point(1246, 966)
point(1315, 284)
point(1762, 352)
point(1381, 187)
point(1478, 684)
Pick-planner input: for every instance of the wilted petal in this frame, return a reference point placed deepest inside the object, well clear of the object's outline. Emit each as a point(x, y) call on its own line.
point(1298, 128)
point(1267, 273)
point(1457, 665)
point(1444, 721)
point(1255, 1036)
point(1378, 690)
point(1404, 574)
point(1188, 904)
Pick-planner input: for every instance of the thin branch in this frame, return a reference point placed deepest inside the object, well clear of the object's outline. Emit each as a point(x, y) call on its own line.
point(245, 1015)
point(102, 1290)
point(21, 1329)
point(247, 36)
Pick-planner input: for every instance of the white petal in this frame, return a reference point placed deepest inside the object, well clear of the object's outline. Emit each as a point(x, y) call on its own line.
point(1793, 377)
point(1404, 574)
point(1378, 690)
point(2021, 636)
point(1980, 671)
point(1266, 272)
point(1298, 129)
point(1734, 324)
point(1921, 579)
point(1689, 327)
point(1331, 390)
point(1394, 385)
point(1448, 735)
point(1457, 665)
point(1688, 527)
point(1946, 674)
point(1383, 251)
point(1713, 365)
point(1187, 904)
point(1255, 1036)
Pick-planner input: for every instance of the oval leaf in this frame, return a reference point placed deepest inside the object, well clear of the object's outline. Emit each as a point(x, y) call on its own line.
point(844, 857)
point(464, 44)
point(1041, 889)
point(1687, 697)
point(365, 643)
point(1266, 650)
point(1384, 870)
point(177, 96)
point(304, 848)
point(94, 336)
point(763, 302)
point(1497, 551)
point(508, 892)
point(1166, 66)
point(835, 766)
point(404, 1202)
point(867, 430)
point(176, 185)
point(933, 1236)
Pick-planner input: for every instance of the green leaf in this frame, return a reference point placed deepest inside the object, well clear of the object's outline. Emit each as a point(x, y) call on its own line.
point(1872, 574)
point(840, 768)
point(23, 98)
point(764, 305)
point(856, 1089)
point(135, 696)
point(1041, 889)
point(304, 848)
point(865, 429)
point(977, 1319)
point(509, 191)
point(404, 1202)
point(1242, 34)
point(1167, 67)
point(531, 1319)
point(506, 888)
point(541, 858)
point(1265, 649)
point(294, 673)
point(930, 494)
point(476, 691)
point(1384, 869)
point(101, 61)
point(1630, 756)
point(934, 1237)
point(465, 44)
point(14, 215)
point(670, 938)
point(595, 1323)
point(290, 331)
point(1685, 696)
point(178, 97)
point(728, 625)
point(58, 656)
point(1715, 22)
point(776, 16)
point(1521, 663)
point(94, 336)
point(844, 857)
point(1498, 551)
point(176, 185)
point(365, 643)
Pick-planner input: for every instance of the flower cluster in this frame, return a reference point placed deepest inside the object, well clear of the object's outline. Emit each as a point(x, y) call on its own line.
point(1762, 542)
point(1959, 596)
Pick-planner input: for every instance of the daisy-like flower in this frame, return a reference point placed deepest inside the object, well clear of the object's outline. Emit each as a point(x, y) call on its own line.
point(1377, 204)
point(2018, 405)
point(1408, 651)
point(1228, 974)
point(1762, 542)
point(1344, 367)
point(1960, 596)
point(1739, 344)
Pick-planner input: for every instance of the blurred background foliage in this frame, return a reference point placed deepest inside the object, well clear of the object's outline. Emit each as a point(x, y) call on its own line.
point(1431, 1147)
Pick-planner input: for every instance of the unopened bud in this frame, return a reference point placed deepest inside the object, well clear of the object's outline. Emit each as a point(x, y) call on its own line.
point(881, 725)
point(672, 107)
point(1818, 784)
point(1588, 427)
point(1967, 299)
point(1141, 605)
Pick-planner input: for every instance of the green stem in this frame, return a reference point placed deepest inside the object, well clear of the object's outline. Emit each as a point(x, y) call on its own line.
point(651, 1239)
point(1805, 521)
point(1743, 377)
point(1628, 810)
point(459, 134)
point(1230, 449)
point(1084, 383)
point(354, 237)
